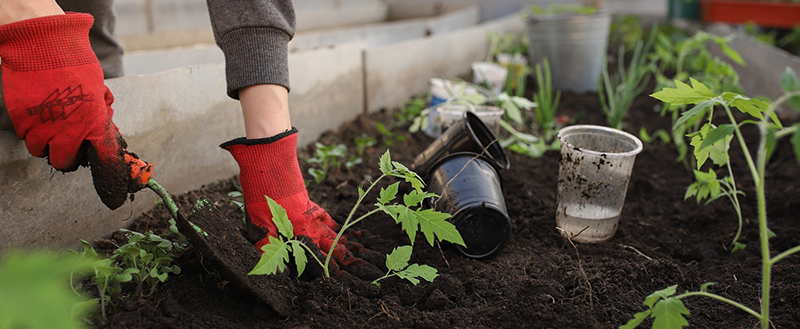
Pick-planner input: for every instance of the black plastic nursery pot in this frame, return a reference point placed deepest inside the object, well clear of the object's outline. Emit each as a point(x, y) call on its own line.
point(470, 189)
point(469, 135)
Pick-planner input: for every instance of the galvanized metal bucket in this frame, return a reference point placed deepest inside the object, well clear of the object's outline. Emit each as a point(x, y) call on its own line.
point(574, 44)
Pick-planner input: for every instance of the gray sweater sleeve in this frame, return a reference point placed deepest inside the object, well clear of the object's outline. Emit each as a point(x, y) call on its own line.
point(254, 36)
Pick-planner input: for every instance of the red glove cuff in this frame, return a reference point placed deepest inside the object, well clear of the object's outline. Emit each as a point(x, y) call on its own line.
point(268, 166)
point(47, 42)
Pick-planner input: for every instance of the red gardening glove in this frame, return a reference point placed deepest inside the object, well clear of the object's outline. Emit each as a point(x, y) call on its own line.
point(54, 92)
point(268, 166)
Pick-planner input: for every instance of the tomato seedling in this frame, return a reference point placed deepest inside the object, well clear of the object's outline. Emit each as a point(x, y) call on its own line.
point(667, 308)
point(409, 214)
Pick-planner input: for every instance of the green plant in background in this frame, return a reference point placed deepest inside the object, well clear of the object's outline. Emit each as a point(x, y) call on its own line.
point(546, 100)
point(329, 158)
point(791, 41)
point(617, 91)
point(664, 306)
point(753, 30)
point(412, 112)
point(409, 214)
point(675, 50)
point(627, 30)
point(35, 291)
point(107, 276)
point(152, 256)
point(506, 43)
point(364, 142)
point(389, 137)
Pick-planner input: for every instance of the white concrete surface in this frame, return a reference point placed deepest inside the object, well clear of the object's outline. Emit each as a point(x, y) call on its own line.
point(175, 119)
point(158, 60)
point(398, 71)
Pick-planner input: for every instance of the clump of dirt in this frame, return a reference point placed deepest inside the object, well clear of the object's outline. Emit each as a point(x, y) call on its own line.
point(537, 281)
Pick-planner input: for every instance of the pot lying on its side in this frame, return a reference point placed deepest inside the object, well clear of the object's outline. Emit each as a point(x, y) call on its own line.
point(470, 134)
point(470, 189)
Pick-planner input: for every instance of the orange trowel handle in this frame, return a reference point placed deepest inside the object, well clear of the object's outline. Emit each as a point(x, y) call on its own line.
point(140, 170)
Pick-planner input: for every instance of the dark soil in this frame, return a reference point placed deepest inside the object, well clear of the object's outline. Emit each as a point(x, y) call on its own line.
point(539, 280)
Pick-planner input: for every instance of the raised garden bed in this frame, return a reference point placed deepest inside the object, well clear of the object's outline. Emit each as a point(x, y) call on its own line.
point(539, 280)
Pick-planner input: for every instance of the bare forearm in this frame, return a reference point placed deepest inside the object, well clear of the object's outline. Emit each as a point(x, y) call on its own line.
point(266, 110)
point(17, 10)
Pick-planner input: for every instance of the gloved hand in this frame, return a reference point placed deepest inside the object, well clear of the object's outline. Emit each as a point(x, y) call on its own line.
point(268, 166)
point(55, 96)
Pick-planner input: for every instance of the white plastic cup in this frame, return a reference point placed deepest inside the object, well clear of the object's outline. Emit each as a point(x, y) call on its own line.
point(593, 176)
point(491, 74)
point(442, 90)
point(443, 116)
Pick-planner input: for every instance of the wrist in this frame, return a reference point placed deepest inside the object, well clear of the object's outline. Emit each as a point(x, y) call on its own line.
point(13, 11)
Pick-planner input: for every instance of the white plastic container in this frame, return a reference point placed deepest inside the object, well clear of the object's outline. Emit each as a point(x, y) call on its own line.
point(593, 176)
point(443, 116)
point(442, 90)
point(491, 74)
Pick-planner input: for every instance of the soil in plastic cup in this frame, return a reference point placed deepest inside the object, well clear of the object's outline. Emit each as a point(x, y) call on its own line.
point(491, 74)
point(470, 189)
point(470, 134)
point(593, 176)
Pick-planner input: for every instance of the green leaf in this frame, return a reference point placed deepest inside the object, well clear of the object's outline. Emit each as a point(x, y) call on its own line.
point(389, 193)
point(408, 221)
point(80, 308)
point(275, 256)
point(753, 106)
point(789, 81)
point(704, 286)
point(432, 223)
point(637, 319)
point(691, 190)
point(697, 111)
point(717, 134)
point(684, 94)
point(795, 140)
point(732, 54)
point(280, 218)
point(663, 293)
point(385, 163)
point(398, 258)
point(770, 234)
point(700, 154)
point(414, 198)
point(669, 314)
point(738, 246)
point(300, 258)
point(414, 272)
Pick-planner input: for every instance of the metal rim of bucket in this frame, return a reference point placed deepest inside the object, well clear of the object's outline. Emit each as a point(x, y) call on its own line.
point(479, 131)
point(638, 143)
point(567, 16)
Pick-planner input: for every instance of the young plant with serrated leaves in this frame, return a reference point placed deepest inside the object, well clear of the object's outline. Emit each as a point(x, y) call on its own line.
point(153, 257)
point(617, 91)
point(107, 276)
point(329, 158)
point(410, 215)
point(664, 306)
point(688, 55)
point(397, 265)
